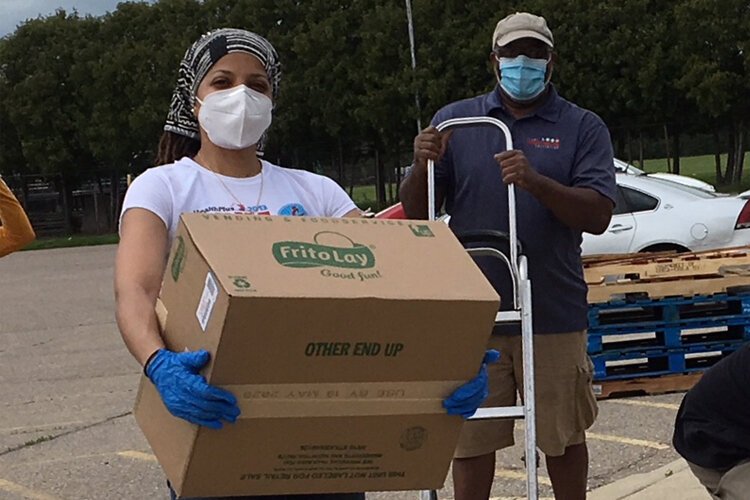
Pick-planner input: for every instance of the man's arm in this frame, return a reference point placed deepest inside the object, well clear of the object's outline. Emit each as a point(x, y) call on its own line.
point(580, 208)
point(428, 145)
point(586, 203)
point(16, 231)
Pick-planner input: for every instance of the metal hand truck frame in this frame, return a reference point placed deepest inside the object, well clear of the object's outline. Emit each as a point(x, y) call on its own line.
point(518, 267)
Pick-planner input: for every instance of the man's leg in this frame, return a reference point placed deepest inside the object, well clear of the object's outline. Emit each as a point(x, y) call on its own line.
point(472, 477)
point(565, 408)
point(569, 472)
point(474, 462)
point(735, 483)
point(709, 478)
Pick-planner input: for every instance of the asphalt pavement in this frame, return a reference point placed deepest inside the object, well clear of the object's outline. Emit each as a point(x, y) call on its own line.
point(67, 387)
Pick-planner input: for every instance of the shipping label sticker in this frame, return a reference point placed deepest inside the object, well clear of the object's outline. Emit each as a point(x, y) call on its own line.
point(208, 301)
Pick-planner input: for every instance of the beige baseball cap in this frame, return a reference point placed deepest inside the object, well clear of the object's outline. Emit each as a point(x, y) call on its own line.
point(521, 25)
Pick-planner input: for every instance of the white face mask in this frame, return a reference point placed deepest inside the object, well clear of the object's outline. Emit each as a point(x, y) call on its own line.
point(235, 118)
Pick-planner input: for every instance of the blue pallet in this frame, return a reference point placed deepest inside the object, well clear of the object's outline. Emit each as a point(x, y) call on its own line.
point(657, 362)
point(668, 310)
point(734, 328)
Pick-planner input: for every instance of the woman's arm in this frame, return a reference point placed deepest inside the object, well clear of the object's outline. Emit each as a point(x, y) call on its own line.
point(16, 231)
point(139, 268)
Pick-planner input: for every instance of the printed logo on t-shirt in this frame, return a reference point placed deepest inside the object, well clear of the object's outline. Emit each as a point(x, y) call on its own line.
point(293, 209)
point(236, 208)
point(544, 142)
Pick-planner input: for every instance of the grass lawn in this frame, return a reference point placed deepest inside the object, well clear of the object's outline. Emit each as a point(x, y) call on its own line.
point(703, 168)
point(77, 240)
point(364, 196)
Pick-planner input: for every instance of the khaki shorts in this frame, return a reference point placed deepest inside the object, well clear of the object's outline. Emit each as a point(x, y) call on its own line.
point(565, 401)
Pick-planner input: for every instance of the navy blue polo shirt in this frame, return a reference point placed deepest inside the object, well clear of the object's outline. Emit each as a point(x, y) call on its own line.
point(562, 141)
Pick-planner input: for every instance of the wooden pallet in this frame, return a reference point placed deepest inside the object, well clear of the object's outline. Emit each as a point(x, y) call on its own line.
point(666, 274)
point(606, 259)
point(659, 288)
point(646, 385)
point(609, 259)
point(661, 267)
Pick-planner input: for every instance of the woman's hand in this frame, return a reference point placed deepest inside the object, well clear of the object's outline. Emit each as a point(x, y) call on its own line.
point(469, 397)
point(185, 392)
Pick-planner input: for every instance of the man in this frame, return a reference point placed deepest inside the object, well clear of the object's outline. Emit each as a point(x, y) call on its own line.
point(563, 165)
point(16, 231)
point(712, 431)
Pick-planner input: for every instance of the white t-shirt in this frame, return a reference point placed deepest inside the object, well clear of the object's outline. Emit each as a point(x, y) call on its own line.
point(185, 186)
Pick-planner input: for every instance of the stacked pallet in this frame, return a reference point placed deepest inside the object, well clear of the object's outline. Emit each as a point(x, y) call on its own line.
point(656, 321)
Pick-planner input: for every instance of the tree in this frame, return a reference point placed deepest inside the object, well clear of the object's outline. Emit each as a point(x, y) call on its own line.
point(47, 109)
point(129, 85)
point(12, 160)
point(716, 74)
point(89, 95)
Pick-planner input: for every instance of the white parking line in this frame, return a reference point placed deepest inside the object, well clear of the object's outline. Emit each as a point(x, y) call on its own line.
point(648, 404)
point(24, 492)
point(137, 455)
point(514, 474)
point(625, 440)
point(47, 461)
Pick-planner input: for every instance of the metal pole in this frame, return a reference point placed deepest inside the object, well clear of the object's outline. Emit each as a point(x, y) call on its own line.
point(410, 21)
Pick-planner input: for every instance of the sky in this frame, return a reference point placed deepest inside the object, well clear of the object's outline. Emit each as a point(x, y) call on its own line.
point(14, 12)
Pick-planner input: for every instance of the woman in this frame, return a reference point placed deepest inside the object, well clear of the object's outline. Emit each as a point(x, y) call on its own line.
point(16, 231)
point(209, 161)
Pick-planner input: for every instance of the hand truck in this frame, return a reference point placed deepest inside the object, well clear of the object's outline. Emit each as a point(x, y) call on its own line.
point(521, 313)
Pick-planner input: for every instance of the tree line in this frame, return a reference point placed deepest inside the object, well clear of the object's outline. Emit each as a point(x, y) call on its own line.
point(83, 96)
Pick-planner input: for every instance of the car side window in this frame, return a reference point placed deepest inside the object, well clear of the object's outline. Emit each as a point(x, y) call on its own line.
point(621, 206)
point(638, 201)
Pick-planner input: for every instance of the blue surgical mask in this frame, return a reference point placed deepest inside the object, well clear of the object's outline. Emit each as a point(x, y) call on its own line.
point(522, 78)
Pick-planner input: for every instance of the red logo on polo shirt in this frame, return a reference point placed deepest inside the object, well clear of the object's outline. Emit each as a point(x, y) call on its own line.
point(545, 142)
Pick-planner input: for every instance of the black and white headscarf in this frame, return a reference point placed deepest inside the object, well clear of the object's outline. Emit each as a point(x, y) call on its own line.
point(199, 59)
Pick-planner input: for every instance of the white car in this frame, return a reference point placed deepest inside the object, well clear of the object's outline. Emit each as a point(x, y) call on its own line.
point(627, 168)
point(653, 214)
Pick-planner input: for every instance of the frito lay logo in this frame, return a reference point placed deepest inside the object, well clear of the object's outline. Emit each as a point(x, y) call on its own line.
point(330, 249)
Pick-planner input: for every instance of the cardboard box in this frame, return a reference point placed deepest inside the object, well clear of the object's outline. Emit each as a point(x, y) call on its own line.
point(340, 338)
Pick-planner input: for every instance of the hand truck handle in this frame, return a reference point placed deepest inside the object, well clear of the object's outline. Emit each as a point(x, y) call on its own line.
point(470, 122)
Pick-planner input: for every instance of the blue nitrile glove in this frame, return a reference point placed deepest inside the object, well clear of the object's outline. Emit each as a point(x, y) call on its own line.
point(469, 397)
point(185, 392)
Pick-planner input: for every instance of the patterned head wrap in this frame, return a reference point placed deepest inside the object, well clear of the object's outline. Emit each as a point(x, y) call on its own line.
point(199, 59)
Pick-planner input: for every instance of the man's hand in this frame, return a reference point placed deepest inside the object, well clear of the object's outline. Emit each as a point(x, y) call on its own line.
point(517, 170)
point(429, 144)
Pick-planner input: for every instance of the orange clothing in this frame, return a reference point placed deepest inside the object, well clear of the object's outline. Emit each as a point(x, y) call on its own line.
point(16, 231)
